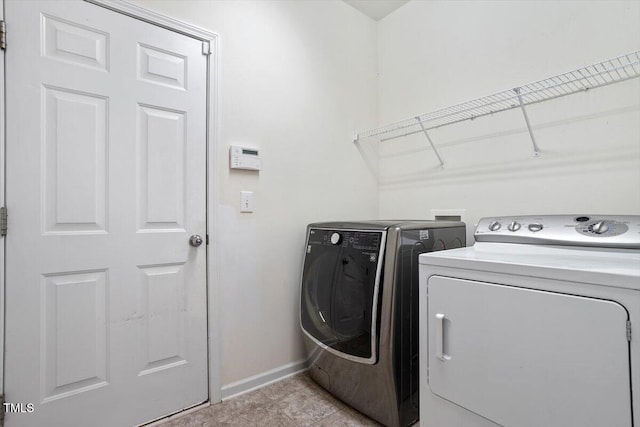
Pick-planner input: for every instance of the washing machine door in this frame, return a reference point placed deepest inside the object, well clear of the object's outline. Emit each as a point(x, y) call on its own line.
point(340, 284)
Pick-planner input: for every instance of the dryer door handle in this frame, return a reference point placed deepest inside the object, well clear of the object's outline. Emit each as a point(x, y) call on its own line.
point(440, 337)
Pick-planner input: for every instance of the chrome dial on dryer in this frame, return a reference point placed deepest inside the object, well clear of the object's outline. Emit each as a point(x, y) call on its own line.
point(495, 226)
point(602, 228)
point(535, 227)
point(514, 226)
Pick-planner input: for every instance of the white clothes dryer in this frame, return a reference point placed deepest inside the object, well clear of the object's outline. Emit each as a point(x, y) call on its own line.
point(536, 325)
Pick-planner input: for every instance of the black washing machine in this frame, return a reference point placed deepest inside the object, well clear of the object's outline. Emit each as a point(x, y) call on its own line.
point(359, 310)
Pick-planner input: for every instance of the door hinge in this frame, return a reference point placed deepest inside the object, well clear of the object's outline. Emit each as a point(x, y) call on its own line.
point(628, 330)
point(207, 239)
point(3, 221)
point(3, 35)
point(206, 48)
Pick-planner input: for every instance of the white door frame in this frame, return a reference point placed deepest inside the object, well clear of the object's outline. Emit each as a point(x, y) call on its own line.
point(213, 312)
point(2, 203)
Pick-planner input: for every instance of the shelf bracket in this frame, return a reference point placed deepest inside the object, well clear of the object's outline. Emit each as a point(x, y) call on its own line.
point(433, 147)
point(536, 151)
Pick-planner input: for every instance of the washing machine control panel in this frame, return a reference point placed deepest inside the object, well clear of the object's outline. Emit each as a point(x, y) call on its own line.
point(606, 231)
point(364, 241)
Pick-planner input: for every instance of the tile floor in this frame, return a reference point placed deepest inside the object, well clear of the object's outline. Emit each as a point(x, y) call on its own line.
point(296, 401)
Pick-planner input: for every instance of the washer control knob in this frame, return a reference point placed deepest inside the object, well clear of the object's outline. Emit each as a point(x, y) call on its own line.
point(535, 227)
point(336, 238)
point(495, 226)
point(514, 226)
point(600, 227)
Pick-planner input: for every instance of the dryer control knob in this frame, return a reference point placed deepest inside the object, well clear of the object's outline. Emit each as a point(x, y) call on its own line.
point(535, 227)
point(600, 227)
point(495, 226)
point(336, 238)
point(514, 226)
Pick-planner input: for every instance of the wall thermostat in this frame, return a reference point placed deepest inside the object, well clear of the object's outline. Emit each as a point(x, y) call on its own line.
point(244, 158)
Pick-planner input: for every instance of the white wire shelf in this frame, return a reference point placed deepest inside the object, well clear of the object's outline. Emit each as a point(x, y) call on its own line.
point(614, 70)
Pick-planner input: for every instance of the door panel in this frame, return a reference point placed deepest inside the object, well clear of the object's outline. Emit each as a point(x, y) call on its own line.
point(74, 336)
point(163, 335)
point(75, 43)
point(527, 358)
point(161, 178)
point(106, 299)
point(75, 161)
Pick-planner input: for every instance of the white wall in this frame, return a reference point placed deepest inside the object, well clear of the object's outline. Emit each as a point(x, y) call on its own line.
point(296, 79)
point(433, 54)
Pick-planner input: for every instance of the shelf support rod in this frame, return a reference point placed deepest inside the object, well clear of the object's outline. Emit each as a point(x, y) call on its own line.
point(536, 151)
point(433, 147)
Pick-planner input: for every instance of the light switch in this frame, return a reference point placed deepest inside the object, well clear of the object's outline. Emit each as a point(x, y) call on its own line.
point(246, 201)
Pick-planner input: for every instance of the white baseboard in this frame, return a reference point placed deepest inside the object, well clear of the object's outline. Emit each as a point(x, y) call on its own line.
point(263, 379)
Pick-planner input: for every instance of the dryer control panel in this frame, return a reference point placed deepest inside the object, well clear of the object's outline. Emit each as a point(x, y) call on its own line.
point(604, 231)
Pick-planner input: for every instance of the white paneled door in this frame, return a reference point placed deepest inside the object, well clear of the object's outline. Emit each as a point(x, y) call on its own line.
point(106, 168)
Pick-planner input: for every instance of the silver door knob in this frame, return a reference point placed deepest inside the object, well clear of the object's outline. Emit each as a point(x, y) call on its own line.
point(195, 240)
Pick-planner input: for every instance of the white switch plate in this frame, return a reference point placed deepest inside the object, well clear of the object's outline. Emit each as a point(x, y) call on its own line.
point(246, 201)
